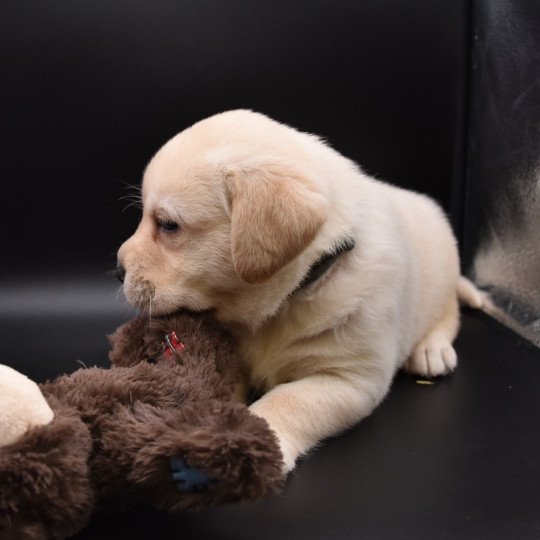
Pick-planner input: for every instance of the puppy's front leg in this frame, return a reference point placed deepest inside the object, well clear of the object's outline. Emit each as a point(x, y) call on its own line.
point(308, 410)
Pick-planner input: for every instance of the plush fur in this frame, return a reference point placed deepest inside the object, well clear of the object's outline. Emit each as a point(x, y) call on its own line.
point(114, 431)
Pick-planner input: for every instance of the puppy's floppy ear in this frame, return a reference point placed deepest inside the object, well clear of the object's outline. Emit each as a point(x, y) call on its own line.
point(274, 216)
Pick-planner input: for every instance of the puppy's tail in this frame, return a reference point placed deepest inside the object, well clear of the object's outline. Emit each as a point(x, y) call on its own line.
point(469, 295)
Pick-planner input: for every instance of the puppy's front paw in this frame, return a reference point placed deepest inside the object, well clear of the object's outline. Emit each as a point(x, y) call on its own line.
point(432, 357)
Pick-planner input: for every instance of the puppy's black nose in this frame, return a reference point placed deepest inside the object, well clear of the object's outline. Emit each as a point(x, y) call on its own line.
point(120, 272)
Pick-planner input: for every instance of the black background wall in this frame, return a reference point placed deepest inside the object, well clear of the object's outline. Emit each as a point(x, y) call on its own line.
point(91, 89)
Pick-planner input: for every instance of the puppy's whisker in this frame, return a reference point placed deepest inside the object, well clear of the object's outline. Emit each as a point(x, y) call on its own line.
point(134, 204)
point(131, 196)
point(119, 292)
point(150, 300)
point(134, 199)
point(130, 186)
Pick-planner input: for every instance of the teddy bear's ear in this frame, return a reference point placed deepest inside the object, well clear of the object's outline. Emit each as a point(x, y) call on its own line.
point(127, 343)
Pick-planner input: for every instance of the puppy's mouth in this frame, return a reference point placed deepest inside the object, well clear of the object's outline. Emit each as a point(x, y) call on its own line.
point(140, 293)
point(143, 295)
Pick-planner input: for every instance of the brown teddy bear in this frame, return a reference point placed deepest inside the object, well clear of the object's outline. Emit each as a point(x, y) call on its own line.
point(160, 428)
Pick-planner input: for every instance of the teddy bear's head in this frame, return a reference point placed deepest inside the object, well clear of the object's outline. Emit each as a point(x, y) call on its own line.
point(193, 340)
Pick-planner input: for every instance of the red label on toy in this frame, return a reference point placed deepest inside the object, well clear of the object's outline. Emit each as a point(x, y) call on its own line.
point(171, 343)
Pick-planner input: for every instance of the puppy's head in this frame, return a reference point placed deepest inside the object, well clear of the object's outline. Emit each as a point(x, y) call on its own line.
point(227, 204)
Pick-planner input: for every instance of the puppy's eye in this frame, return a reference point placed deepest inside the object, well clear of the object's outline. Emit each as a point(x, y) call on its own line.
point(168, 226)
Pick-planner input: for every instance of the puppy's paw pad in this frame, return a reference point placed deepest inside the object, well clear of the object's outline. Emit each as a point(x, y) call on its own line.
point(432, 357)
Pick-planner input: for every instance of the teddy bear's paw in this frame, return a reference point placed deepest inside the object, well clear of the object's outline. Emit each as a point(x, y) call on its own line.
point(22, 406)
point(234, 448)
point(205, 453)
point(188, 479)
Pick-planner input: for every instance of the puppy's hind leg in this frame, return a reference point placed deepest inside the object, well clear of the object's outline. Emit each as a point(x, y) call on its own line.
point(434, 355)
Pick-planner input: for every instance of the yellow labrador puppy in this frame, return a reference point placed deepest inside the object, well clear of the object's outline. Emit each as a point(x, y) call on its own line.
point(331, 280)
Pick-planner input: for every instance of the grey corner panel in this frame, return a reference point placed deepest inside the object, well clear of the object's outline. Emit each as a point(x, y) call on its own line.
point(502, 202)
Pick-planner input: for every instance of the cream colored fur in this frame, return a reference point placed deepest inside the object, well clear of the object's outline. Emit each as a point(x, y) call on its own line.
point(257, 203)
point(22, 405)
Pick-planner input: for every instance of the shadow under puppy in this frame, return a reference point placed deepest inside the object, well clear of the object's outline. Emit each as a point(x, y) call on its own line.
point(142, 431)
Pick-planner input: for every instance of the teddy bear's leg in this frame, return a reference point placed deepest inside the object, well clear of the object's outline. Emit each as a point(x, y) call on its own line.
point(45, 491)
point(203, 453)
point(22, 405)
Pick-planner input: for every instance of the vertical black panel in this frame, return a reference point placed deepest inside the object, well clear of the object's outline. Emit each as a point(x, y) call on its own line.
point(502, 231)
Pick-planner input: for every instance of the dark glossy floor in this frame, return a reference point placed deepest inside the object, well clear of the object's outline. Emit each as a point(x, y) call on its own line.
point(456, 459)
